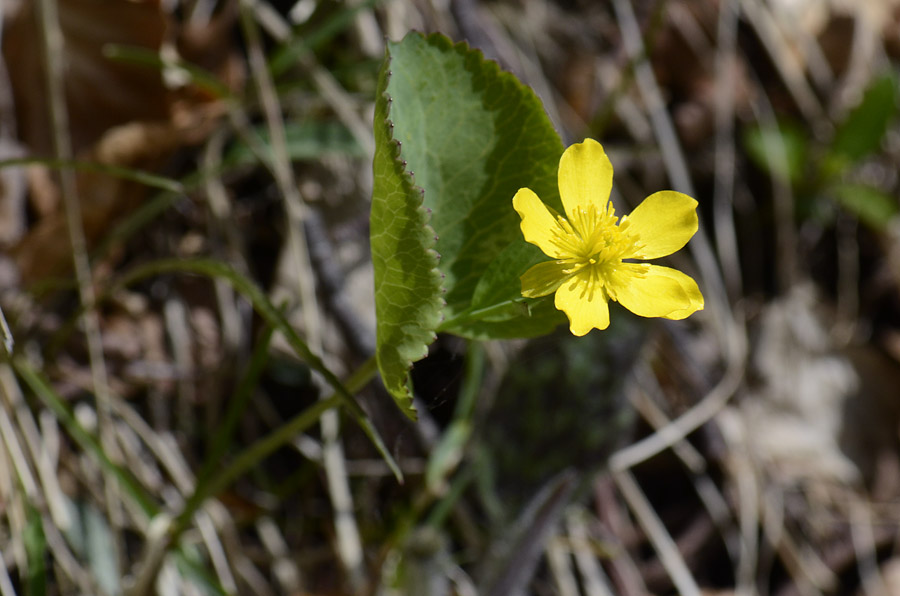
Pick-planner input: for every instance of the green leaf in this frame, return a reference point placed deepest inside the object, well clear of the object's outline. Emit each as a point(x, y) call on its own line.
point(500, 281)
point(473, 135)
point(861, 132)
point(498, 310)
point(779, 150)
point(408, 292)
point(869, 205)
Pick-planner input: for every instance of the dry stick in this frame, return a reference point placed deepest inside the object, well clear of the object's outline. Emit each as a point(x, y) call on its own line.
point(705, 487)
point(348, 540)
point(11, 497)
point(255, 581)
point(220, 207)
point(865, 57)
point(167, 453)
point(283, 568)
point(178, 327)
point(624, 573)
point(790, 26)
point(526, 51)
point(53, 50)
point(232, 316)
point(16, 453)
point(216, 551)
point(809, 572)
point(324, 81)
point(8, 342)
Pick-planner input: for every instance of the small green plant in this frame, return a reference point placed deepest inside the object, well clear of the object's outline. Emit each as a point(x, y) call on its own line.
point(456, 140)
point(826, 175)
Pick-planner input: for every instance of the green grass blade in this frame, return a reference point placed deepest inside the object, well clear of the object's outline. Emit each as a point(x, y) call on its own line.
point(203, 79)
point(140, 176)
point(236, 405)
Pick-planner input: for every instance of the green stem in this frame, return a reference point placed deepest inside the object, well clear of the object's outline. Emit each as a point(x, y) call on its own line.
point(250, 458)
point(265, 446)
point(140, 176)
point(236, 406)
point(469, 315)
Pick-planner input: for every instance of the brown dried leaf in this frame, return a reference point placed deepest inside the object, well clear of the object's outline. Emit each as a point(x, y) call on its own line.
point(100, 93)
point(45, 250)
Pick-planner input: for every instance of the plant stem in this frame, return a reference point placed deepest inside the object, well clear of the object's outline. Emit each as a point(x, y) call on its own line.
point(470, 315)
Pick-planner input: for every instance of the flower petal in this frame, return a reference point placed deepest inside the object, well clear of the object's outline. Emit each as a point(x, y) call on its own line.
point(583, 299)
point(585, 177)
point(539, 226)
point(665, 221)
point(543, 278)
point(654, 291)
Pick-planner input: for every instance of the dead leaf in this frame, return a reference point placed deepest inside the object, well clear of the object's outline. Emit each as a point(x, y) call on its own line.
point(100, 93)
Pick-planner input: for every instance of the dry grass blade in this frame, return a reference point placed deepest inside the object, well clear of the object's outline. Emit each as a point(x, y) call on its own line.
point(766, 26)
point(561, 567)
point(595, 581)
point(723, 198)
point(6, 586)
point(533, 527)
point(37, 448)
point(666, 548)
point(52, 42)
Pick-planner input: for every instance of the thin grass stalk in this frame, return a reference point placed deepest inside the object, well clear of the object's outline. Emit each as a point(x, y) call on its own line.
point(53, 50)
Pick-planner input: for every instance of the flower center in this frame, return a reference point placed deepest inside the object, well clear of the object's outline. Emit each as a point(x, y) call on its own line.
point(595, 240)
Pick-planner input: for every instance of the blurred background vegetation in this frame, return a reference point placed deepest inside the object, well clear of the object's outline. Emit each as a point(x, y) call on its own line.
point(184, 200)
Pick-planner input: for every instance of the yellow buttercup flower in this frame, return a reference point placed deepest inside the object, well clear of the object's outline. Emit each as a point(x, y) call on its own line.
point(594, 253)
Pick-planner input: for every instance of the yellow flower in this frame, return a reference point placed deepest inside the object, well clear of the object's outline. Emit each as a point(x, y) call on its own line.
point(594, 255)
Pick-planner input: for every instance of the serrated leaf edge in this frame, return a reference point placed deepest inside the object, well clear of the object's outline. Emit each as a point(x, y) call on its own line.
point(429, 249)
